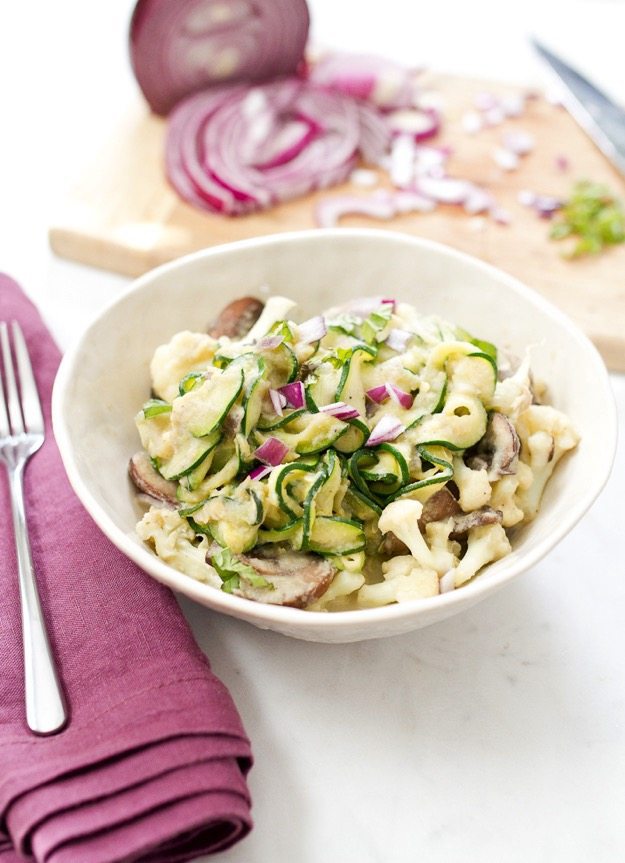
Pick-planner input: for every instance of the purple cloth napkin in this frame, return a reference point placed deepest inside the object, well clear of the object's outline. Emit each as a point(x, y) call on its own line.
point(152, 765)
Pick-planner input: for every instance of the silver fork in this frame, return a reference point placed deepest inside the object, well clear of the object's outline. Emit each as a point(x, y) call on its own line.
point(21, 435)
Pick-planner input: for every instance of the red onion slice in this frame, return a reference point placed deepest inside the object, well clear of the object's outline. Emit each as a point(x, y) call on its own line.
point(385, 431)
point(445, 190)
point(294, 394)
point(375, 79)
point(180, 47)
point(271, 452)
point(328, 210)
point(340, 410)
point(269, 343)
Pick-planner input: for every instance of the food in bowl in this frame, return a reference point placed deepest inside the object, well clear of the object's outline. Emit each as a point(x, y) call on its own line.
point(367, 456)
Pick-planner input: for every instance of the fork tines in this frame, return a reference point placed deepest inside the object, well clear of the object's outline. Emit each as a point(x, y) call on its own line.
point(17, 415)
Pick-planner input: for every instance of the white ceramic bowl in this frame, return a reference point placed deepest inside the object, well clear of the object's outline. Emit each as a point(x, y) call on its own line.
point(104, 379)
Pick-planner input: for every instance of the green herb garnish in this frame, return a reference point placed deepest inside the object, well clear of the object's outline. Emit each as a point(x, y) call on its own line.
point(231, 570)
point(593, 216)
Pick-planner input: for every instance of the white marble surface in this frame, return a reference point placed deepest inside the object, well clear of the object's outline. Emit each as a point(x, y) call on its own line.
point(496, 736)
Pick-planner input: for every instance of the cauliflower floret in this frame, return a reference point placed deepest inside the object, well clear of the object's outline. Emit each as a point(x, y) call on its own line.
point(186, 352)
point(404, 579)
point(546, 434)
point(172, 538)
point(473, 486)
point(513, 395)
point(343, 585)
point(401, 517)
point(485, 545)
point(503, 499)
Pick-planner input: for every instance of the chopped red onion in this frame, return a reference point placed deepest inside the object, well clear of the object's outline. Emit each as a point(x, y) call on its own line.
point(269, 343)
point(485, 100)
point(375, 79)
point(365, 306)
point(177, 48)
point(527, 198)
point(417, 123)
point(278, 401)
point(519, 142)
point(402, 161)
point(259, 472)
point(398, 339)
point(546, 205)
point(386, 430)
point(363, 177)
point(478, 201)
point(562, 162)
point(506, 159)
point(446, 190)
point(312, 330)
point(500, 215)
point(271, 452)
point(494, 116)
point(399, 396)
point(294, 394)
point(472, 122)
point(513, 104)
point(340, 410)
point(406, 201)
point(378, 394)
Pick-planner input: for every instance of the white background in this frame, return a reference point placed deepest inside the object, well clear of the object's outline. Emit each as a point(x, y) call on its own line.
point(495, 736)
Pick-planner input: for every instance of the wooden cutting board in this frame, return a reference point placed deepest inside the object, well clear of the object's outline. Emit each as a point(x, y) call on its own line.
point(123, 216)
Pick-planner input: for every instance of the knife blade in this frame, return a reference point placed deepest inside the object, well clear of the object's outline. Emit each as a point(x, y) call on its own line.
point(598, 115)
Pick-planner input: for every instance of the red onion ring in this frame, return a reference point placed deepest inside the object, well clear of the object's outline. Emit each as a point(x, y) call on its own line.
point(178, 47)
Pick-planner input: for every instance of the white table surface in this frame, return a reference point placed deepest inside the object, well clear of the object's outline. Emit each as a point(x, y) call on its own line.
point(498, 735)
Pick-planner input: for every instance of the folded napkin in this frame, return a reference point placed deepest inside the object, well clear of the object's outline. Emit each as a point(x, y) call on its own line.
point(152, 765)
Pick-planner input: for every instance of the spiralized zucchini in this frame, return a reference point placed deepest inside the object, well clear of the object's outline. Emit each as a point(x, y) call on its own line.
point(385, 443)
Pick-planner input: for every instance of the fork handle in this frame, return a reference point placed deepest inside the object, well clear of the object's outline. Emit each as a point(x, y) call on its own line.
point(46, 710)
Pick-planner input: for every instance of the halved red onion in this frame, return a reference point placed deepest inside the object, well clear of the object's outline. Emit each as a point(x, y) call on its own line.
point(178, 48)
point(259, 472)
point(278, 401)
point(340, 410)
point(271, 452)
point(420, 124)
point(385, 431)
point(364, 76)
point(294, 394)
point(398, 339)
point(220, 154)
point(312, 330)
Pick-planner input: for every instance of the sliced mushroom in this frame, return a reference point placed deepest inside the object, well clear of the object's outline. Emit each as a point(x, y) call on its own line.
point(237, 319)
point(439, 507)
point(298, 578)
point(498, 450)
point(148, 480)
point(485, 515)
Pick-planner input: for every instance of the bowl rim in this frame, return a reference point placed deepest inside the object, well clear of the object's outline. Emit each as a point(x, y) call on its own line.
point(501, 571)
